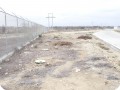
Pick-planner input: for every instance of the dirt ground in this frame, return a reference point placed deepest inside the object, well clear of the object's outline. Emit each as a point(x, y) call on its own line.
point(75, 60)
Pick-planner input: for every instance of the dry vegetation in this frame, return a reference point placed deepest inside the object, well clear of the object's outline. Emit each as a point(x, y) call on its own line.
point(102, 46)
point(63, 43)
point(80, 62)
point(85, 37)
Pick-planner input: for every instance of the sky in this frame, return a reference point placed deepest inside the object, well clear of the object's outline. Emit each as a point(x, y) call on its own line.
point(67, 12)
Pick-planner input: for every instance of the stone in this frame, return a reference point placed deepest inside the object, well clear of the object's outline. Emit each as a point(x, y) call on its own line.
point(26, 52)
point(48, 65)
point(45, 49)
point(46, 44)
point(32, 46)
point(106, 82)
point(0, 68)
point(56, 47)
point(1, 88)
point(6, 73)
point(77, 70)
point(40, 61)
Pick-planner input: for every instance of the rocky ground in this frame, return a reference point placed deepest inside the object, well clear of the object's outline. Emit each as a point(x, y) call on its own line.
point(70, 60)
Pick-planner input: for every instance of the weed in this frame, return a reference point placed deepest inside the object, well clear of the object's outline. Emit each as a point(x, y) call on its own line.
point(63, 43)
point(84, 37)
point(102, 46)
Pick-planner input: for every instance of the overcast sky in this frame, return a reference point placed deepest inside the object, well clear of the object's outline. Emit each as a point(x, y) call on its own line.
point(67, 12)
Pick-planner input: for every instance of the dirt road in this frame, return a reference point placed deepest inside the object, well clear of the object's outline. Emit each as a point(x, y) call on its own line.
point(75, 60)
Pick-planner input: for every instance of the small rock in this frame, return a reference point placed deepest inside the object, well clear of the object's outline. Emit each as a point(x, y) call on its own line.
point(1, 88)
point(48, 65)
point(56, 47)
point(77, 70)
point(0, 68)
point(45, 49)
point(32, 46)
point(40, 36)
point(46, 44)
point(26, 52)
point(106, 82)
point(39, 61)
point(6, 73)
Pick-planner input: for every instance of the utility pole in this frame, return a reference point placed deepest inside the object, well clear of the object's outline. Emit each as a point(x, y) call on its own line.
point(48, 21)
point(50, 16)
point(52, 20)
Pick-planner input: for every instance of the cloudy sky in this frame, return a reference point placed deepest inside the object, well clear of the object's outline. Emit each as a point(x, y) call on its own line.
point(67, 12)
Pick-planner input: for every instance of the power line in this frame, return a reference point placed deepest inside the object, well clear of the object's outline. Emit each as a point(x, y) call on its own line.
point(50, 16)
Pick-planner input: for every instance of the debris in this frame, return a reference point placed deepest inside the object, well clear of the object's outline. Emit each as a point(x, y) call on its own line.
point(102, 46)
point(77, 69)
point(46, 44)
point(48, 65)
point(40, 36)
point(1, 88)
point(39, 61)
point(26, 52)
point(20, 64)
point(32, 46)
point(45, 49)
point(106, 82)
point(6, 73)
point(56, 47)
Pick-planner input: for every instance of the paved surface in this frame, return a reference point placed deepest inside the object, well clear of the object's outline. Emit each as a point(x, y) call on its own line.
point(110, 37)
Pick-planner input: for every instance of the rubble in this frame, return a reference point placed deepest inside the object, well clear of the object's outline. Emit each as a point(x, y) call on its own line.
point(39, 61)
point(77, 69)
point(45, 49)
